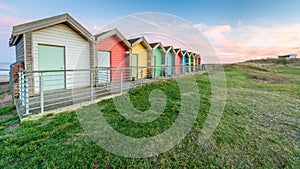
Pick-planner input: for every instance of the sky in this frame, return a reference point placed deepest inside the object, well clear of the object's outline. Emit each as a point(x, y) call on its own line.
point(238, 30)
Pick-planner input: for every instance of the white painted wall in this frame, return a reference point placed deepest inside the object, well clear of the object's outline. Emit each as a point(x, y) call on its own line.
point(77, 52)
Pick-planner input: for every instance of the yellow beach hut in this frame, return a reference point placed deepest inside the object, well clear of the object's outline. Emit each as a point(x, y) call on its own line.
point(140, 57)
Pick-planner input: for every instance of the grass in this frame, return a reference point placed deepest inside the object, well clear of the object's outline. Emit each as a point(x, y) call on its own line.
point(3, 92)
point(259, 128)
point(141, 102)
point(290, 71)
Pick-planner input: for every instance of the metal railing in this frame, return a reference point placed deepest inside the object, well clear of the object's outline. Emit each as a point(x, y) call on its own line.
point(41, 91)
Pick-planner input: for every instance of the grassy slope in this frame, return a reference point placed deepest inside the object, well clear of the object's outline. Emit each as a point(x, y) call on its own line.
point(259, 128)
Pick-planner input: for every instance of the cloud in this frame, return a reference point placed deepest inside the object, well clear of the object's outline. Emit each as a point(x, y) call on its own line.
point(10, 21)
point(167, 29)
point(7, 7)
point(6, 24)
point(245, 42)
point(232, 43)
point(155, 27)
point(240, 23)
point(200, 26)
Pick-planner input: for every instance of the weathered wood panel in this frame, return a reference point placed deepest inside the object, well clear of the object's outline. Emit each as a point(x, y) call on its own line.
point(20, 50)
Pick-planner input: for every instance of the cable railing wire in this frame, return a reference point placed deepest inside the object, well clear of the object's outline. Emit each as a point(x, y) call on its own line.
point(44, 90)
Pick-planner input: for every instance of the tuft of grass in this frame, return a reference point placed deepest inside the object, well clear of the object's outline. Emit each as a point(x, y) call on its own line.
point(7, 110)
point(281, 61)
point(4, 92)
point(290, 71)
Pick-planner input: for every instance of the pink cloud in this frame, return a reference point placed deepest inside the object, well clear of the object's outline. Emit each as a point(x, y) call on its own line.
point(7, 7)
point(6, 25)
point(253, 42)
point(232, 44)
point(10, 21)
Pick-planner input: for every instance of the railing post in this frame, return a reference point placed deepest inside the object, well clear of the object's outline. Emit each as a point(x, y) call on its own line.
point(24, 89)
point(121, 81)
point(107, 78)
point(165, 70)
point(162, 72)
point(179, 70)
point(141, 77)
point(109, 81)
point(173, 72)
point(186, 69)
point(26, 95)
point(21, 87)
point(92, 86)
point(154, 73)
point(137, 73)
point(129, 71)
point(41, 78)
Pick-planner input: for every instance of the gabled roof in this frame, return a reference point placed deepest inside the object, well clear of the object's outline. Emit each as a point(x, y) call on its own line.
point(197, 55)
point(169, 49)
point(43, 23)
point(154, 45)
point(178, 50)
point(158, 45)
point(131, 41)
point(184, 52)
point(104, 35)
point(140, 40)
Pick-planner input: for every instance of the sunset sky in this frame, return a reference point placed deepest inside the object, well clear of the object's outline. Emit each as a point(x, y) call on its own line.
point(237, 29)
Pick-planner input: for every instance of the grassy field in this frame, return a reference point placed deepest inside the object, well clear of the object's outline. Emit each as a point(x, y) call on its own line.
point(260, 128)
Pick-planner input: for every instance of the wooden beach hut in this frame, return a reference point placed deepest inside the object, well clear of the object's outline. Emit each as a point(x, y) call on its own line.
point(113, 52)
point(198, 61)
point(191, 61)
point(171, 59)
point(195, 61)
point(141, 53)
point(185, 61)
point(178, 60)
point(158, 60)
point(56, 44)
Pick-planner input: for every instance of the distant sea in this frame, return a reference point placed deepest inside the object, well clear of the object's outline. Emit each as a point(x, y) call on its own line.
point(4, 72)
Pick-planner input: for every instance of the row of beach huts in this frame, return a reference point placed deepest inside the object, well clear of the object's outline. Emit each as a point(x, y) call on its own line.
point(59, 46)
